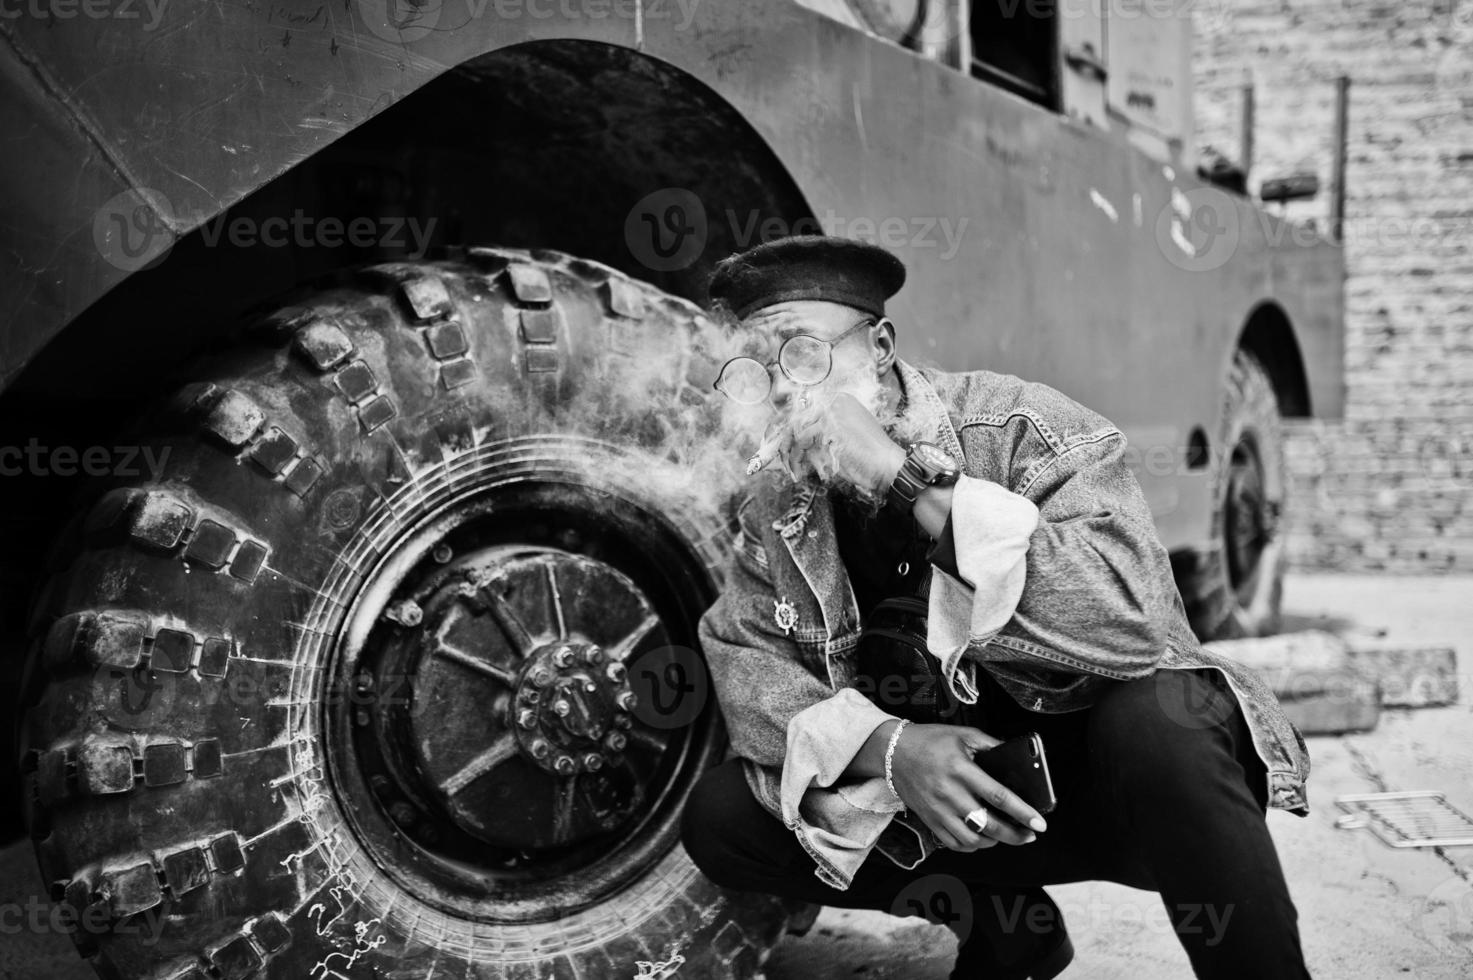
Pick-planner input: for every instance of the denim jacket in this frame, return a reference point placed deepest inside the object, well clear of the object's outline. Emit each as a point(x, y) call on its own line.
point(1097, 604)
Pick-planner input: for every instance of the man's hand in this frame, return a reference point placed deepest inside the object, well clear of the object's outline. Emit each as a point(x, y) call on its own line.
point(843, 441)
point(934, 774)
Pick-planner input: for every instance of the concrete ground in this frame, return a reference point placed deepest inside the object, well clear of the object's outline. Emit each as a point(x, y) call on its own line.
point(1366, 910)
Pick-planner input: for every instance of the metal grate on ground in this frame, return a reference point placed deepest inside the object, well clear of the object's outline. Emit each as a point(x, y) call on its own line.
point(1419, 818)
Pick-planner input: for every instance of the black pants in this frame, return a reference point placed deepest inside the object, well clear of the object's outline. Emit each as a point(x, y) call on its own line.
point(1159, 788)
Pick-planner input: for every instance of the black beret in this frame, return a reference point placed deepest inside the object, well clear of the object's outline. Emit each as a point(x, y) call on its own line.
point(839, 270)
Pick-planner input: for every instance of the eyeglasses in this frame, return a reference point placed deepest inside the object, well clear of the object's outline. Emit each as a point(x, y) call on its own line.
point(803, 359)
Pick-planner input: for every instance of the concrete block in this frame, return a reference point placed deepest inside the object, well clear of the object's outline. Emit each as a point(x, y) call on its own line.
point(1311, 672)
point(1329, 714)
point(1409, 677)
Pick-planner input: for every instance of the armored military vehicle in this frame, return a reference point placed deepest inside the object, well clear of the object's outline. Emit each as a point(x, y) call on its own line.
point(361, 501)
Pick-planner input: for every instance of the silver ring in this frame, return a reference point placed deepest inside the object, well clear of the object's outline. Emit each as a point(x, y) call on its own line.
point(977, 820)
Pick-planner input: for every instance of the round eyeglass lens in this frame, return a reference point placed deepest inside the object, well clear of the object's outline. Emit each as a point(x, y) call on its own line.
point(745, 380)
point(805, 360)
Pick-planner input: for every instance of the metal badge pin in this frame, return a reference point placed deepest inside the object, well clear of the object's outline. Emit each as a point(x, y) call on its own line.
point(785, 615)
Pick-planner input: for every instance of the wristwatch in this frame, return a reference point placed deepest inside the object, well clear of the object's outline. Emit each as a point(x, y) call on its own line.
point(925, 465)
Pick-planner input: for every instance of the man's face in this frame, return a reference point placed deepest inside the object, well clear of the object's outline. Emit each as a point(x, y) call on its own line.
point(853, 368)
point(857, 347)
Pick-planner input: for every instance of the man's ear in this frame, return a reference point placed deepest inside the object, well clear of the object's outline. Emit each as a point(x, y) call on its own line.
point(884, 346)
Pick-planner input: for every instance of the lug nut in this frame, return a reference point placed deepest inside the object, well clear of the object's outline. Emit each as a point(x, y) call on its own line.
point(565, 765)
point(540, 749)
point(561, 708)
point(623, 721)
point(593, 762)
point(563, 658)
point(527, 718)
point(541, 677)
point(530, 695)
point(628, 700)
point(442, 553)
point(406, 612)
point(615, 741)
point(593, 656)
point(616, 672)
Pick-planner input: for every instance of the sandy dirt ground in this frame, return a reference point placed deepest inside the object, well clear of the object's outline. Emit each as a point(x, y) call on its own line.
point(1366, 910)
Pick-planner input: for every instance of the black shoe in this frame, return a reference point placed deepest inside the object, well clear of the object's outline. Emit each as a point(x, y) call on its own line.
point(994, 953)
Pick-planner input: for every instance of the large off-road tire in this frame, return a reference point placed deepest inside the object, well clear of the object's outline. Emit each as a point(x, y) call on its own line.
point(389, 669)
point(1235, 589)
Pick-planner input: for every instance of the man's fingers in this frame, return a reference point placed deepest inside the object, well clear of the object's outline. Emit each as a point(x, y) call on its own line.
point(999, 799)
point(998, 827)
point(1003, 830)
point(977, 740)
point(964, 837)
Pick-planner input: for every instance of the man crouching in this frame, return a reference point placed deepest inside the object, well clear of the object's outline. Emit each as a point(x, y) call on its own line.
point(1048, 605)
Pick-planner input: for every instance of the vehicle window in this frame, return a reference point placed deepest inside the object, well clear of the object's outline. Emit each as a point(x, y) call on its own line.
point(1014, 45)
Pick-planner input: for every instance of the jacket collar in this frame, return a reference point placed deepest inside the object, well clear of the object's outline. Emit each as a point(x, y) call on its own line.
point(807, 522)
point(922, 399)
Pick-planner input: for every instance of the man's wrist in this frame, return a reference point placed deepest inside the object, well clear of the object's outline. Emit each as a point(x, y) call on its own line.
point(894, 459)
point(932, 508)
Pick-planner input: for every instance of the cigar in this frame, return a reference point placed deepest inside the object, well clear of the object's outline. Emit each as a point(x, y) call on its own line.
point(768, 451)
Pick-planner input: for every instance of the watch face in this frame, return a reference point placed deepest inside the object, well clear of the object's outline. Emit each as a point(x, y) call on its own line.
point(934, 457)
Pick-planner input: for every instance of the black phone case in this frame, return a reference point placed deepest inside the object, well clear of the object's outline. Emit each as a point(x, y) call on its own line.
point(1013, 764)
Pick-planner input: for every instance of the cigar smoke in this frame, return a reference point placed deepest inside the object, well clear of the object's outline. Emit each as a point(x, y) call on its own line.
point(690, 445)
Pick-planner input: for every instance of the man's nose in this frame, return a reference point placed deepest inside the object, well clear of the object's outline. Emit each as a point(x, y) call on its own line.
point(783, 390)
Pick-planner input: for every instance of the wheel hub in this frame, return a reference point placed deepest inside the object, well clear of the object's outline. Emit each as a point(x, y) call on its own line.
point(1249, 517)
point(488, 747)
point(518, 721)
point(572, 708)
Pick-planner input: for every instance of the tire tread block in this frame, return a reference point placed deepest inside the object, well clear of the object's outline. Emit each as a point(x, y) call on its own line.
point(165, 764)
point(110, 638)
point(173, 651)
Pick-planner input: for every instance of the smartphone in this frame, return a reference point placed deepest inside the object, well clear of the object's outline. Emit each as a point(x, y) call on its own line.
point(1021, 765)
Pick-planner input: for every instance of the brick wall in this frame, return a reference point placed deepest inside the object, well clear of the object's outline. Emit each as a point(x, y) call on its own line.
point(1390, 486)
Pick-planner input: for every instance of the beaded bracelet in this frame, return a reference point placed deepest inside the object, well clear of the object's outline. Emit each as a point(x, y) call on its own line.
point(890, 756)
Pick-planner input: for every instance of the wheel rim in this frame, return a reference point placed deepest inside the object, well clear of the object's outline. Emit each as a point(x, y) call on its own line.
point(491, 755)
point(1248, 520)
